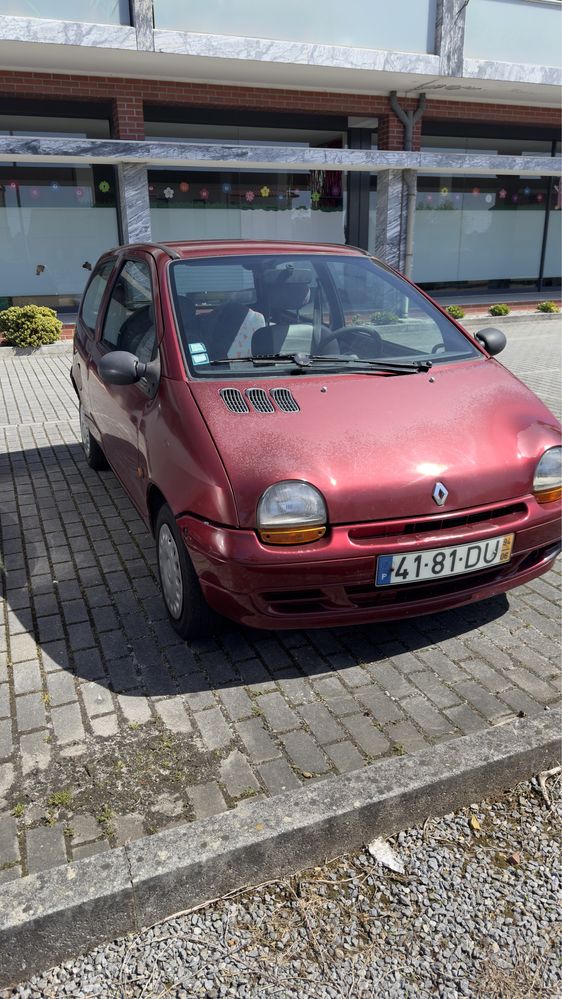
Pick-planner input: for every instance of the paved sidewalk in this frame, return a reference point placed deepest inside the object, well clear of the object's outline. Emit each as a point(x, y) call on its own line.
point(111, 727)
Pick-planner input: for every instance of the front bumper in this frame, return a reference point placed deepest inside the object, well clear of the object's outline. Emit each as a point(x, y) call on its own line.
point(331, 582)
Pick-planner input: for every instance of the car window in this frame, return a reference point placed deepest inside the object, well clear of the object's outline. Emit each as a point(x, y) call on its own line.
point(129, 321)
point(327, 306)
point(94, 294)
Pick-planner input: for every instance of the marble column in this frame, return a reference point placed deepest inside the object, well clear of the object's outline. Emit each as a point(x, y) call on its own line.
point(142, 18)
point(449, 36)
point(390, 231)
point(134, 206)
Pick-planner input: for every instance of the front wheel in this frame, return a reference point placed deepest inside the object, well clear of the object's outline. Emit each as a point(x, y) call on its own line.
point(188, 611)
point(92, 451)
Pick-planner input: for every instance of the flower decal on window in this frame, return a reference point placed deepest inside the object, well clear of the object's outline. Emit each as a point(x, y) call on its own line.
point(226, 188)
point(79, 193)
point(204, 194)
point(315, 197)
point(103, 186)
point(249, 195)
point(168, 193)
point(444, 191)
point(264, 191)
point(502, 195)
point(184, 187)
point(35, 193)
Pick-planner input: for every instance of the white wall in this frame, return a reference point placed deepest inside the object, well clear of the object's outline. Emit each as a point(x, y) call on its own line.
point(228, 223)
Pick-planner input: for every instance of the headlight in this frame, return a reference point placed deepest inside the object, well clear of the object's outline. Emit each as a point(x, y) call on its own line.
point(291, 513)
point(547, 483)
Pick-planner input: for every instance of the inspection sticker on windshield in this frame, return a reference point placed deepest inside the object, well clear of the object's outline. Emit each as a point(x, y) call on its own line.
point(434, 563)
point(198, 353)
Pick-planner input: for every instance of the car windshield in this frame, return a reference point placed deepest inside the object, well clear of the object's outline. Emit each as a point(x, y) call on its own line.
point(277, 312)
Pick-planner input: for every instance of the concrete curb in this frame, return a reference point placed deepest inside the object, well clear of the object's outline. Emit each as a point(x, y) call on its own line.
point(480, 322)
point(64, 347)
point(49, 917)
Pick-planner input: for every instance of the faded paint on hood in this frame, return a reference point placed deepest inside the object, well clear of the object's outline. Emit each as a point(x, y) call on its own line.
point(375, 445)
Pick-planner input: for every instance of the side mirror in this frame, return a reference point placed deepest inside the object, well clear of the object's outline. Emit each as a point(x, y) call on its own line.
point(119, 367)
point(492, 340)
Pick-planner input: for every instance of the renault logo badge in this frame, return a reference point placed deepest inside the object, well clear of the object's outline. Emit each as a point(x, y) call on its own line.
point(440, 493)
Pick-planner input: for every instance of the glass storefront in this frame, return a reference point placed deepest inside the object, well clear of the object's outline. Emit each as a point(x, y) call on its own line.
point(216, 204)
point(53, 220)
point(482, 230)
point(91, 11)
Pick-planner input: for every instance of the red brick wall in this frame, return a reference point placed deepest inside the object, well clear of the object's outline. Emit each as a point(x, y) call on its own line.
point(127, 97)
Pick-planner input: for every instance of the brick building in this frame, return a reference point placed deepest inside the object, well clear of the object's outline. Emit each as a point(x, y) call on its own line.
point(167, 119)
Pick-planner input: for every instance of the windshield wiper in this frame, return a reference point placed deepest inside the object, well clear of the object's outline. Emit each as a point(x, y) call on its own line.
point(409, 367)
point(301, 360)
point(307, 360)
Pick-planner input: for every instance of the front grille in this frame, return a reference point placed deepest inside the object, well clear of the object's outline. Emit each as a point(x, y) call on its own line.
point(234, 400)
point(260, 400)
point(502, 516)
point(285, 400)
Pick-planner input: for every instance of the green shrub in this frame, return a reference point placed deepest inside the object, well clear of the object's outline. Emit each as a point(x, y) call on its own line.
point(548, 307)
point(383, 318)
point(29, 325)
point(499, 310)
point(456, 311)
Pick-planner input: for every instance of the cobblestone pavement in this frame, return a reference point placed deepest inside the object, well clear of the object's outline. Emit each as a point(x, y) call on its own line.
point(111, 727)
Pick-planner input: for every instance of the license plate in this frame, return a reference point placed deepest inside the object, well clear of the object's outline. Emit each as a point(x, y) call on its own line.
point(435, 563)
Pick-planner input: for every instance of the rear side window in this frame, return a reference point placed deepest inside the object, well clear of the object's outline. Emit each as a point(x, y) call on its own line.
point(93, 297)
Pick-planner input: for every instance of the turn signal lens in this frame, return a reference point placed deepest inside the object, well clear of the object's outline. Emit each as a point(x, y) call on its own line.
point(547, 483)
point(292, 536)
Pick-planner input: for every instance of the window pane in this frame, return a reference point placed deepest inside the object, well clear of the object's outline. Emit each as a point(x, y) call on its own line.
point(129, 323)
point(94, 295)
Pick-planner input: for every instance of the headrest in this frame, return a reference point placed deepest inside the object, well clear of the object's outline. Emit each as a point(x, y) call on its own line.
point(288, 295)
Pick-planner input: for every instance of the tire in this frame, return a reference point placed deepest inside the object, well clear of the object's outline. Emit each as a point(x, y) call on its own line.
point(93, 453)
point(188, 611)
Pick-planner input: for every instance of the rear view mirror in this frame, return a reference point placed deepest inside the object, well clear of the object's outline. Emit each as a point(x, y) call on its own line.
point(492, 340)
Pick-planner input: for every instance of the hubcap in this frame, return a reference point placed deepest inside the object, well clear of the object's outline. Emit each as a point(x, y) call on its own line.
point(170, 571)
point(84, 432)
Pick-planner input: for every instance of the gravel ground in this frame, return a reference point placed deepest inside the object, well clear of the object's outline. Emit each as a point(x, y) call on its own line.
point(474, 914)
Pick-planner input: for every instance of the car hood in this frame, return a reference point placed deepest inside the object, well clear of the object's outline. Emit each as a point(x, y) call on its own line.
point(375, 445)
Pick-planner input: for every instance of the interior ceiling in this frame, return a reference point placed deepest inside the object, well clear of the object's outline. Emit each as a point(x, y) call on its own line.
point(243, 72)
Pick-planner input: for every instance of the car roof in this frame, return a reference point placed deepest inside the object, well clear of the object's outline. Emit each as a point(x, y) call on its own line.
point(225, 247)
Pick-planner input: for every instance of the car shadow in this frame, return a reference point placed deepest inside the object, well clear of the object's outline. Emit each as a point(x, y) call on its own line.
point(78, 573)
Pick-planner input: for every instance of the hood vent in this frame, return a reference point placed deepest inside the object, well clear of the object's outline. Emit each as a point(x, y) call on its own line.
point(285, 400)
point(260, 400)
point(234, 400)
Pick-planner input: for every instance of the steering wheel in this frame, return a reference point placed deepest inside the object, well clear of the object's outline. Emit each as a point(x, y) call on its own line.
point(367, 333)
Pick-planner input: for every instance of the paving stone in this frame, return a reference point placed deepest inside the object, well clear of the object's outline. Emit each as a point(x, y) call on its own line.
point(437, 661)
point(10, 874)
point(127, 828)
point(278, 776)
point(4, 700)
point(67, 722)
point(61, 688)
point(321, 723)
point(355, 676)
point(304, 752)
point(432, 722)
point(534, 686)
point(487, 676)
point(206, 800)
point(403, 733)
point(328, 687)
point(97, 699)
point(214, 730)
point(390, 680)
point(80, 636)
point(198, 700)
point(88, 664)
point(45, 847)
point(74, 611)
point(84, 829)
point(9, 851)
point(105, 726)
point(520, 702)
point(484, 702)
point(6, 741)
point(368, 737)
point(30, 712)
point(174, 715)
point(382, 708)
point(27, 677)
point(433, 688)
point(36, 751)
point(296, 689)
point(236, 702)
point(465, 718)
point(22, 648)
point(135, 708)
point(259, 744)
point(6, 777)
point(342, 706)
point(345, 756)
point(89, 849)
point(278, 715)
point(236, 775)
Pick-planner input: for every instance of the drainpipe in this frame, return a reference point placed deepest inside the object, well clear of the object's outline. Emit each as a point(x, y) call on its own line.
point(409, 119)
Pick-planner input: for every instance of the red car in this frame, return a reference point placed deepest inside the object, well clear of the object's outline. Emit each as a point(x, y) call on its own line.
point(311, 440)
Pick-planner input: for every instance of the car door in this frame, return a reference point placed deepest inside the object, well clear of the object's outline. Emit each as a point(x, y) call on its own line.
point(130, 323)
